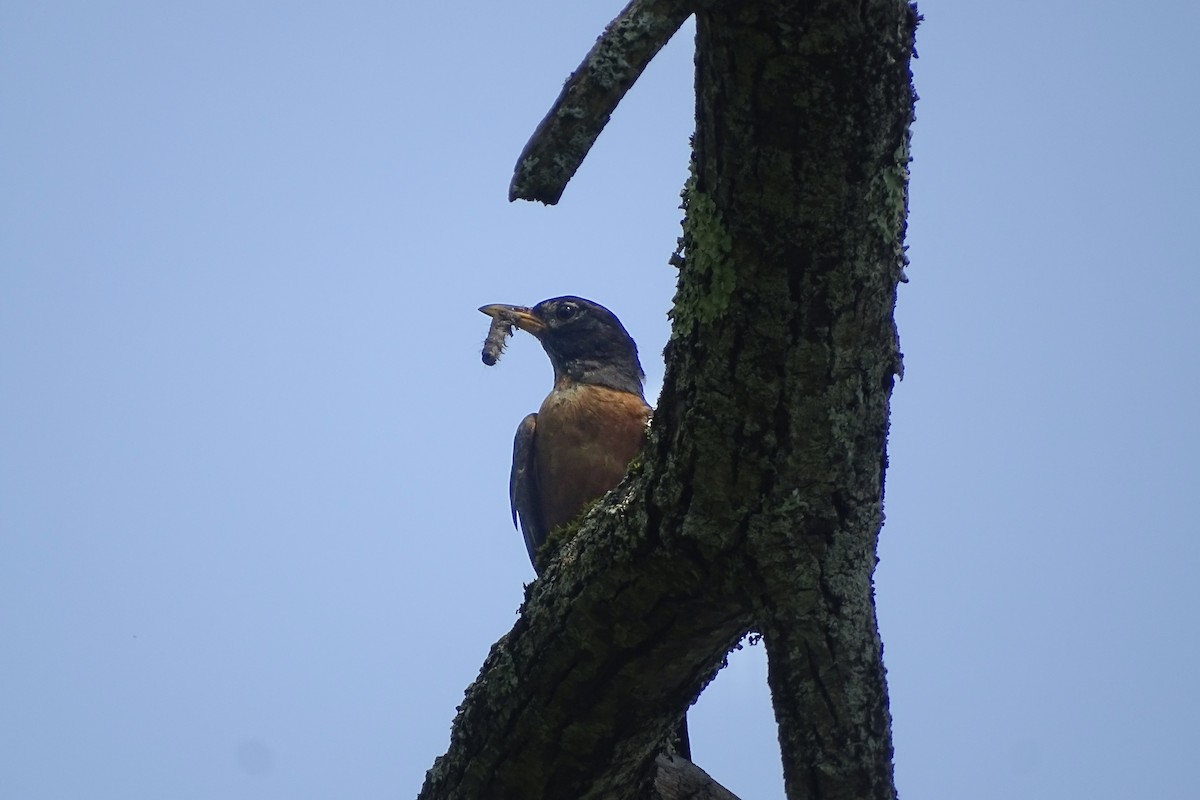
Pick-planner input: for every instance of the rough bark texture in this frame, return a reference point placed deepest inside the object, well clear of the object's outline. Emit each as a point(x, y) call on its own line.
point(612, 644)
point(588, 98)
point(759, 499)
point(784, 352)
point(677, 778)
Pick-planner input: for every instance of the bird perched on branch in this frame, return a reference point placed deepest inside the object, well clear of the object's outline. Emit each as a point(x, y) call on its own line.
point(579, 444)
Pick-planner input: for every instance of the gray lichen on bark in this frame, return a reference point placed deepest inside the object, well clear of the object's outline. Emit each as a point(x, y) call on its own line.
point(563, 138)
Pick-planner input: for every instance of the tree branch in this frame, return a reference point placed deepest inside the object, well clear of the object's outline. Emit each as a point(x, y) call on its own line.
point(679, 779)
point(591, 674)
point(589, 96)
point(784, 349)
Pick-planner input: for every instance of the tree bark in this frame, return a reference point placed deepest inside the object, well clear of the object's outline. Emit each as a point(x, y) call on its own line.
point(781, 369)
point(582, 109)
point(758, 502)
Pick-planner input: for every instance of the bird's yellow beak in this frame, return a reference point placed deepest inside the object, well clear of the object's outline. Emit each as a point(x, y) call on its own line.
point(521, 316)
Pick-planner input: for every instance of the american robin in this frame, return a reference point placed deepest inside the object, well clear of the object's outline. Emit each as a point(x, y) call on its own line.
point(579, 444)
point(591, 425)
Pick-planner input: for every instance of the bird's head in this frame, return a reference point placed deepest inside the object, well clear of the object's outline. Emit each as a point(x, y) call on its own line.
point(585, 341)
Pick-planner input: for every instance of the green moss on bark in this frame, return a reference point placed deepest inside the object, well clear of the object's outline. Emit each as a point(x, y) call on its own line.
point(705, 292)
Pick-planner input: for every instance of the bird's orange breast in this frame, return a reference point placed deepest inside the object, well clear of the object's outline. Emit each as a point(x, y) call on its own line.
point(586, 437)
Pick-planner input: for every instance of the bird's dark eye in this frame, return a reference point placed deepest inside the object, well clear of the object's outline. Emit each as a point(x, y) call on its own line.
point(566, 311)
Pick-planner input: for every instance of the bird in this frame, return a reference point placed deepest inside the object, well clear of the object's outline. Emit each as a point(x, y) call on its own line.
point(591, 425)
point(578, 445)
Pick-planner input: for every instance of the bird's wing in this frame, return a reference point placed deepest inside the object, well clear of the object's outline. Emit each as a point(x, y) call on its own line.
point(523, 488)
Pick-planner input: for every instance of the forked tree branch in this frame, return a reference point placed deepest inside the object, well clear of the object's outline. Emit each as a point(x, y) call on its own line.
point(758, 499)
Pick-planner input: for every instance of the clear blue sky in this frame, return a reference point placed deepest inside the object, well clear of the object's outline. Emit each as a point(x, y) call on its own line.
point(255, 532)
